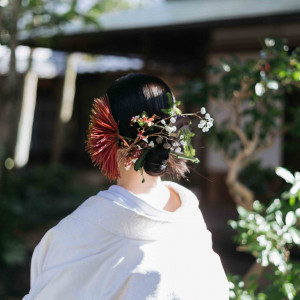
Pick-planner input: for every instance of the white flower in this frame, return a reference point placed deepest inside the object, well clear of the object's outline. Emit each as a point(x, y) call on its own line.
point(181, 137)
point(262, 240)
point(226, 68)
point(207, 116)
point(273, 85)
point(151, 144)
point(134, 119)
point(259, 89)
point(178, 149)
point(149, 123)
point(231, 285)
point(275, 258)
point(203, 110)
point(269, 42)
point(183, 143)
point(173, 120)
point(159, 140)
point(163, 122)
point(209, 124)
point(169, 129)
point(174, 128)
point(202, 124)
point(205, 129)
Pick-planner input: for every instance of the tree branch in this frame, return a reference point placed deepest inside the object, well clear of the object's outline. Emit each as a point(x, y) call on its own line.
point(242, 136)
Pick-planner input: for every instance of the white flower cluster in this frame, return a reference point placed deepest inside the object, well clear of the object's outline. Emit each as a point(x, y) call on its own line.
point(169, 127)
point(206, 123)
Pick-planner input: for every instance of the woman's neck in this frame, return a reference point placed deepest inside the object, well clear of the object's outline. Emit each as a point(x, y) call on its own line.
point(132, 181)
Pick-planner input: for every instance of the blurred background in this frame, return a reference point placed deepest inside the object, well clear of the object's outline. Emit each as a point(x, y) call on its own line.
point(239, 59)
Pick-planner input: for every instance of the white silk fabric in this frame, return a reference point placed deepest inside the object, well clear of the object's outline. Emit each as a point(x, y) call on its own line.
point(116, 246)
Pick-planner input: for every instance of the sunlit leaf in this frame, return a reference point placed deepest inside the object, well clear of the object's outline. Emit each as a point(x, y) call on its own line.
point(285, 174)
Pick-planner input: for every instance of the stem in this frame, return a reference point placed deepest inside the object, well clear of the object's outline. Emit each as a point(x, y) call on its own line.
point(179, 155)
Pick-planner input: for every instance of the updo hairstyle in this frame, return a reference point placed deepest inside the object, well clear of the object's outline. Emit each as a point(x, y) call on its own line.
point(129, 96)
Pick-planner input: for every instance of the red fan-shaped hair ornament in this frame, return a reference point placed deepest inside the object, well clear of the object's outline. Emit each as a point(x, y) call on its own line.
point(102, 140)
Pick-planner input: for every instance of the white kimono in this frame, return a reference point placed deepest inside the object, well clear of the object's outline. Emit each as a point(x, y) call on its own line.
point(116, 246)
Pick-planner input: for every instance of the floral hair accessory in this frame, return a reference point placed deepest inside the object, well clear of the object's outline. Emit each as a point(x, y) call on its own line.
point(171, 132)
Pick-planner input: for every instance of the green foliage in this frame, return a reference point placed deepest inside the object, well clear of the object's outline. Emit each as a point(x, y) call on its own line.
point(252, 96)
point(282, 286)
point(249, 92)
point(238, 292)
point(187, 146)
point(268, 232)
point(138, 165)
point(258, 179)
point(43, 17)
point(173, 106)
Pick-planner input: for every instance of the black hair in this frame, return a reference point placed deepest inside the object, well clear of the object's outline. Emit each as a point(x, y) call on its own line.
point(129, 96)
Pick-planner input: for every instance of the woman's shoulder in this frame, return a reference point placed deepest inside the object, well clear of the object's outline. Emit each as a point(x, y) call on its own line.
point(183, 192)
point(77, 221)
point(66, 240)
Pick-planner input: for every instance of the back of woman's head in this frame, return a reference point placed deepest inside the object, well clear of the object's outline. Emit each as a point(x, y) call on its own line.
point(133, 94)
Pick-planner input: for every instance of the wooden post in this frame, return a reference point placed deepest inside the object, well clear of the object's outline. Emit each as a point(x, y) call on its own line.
point(22, 149)
point(66, 107)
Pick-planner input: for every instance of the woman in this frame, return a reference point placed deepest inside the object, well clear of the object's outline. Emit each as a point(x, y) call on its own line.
point(143, 238)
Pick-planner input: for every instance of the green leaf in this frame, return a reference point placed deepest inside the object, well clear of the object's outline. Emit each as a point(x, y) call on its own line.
point(144, 114)
point(292, 201)
point(285, 174)
point(177, 111)
point(173, 109)
point(296, 76)
point(140, 161)
point(261, 296)
point(142, 173)
point(289, 290)
point(188, 147)
point(14, 252)
point(232, 223)
point(190, 158)
point(167, 111)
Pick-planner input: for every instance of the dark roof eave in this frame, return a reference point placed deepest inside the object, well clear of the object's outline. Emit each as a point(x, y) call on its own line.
point(134, 41)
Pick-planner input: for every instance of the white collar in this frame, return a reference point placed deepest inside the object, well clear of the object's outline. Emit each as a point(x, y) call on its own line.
point(121, 212)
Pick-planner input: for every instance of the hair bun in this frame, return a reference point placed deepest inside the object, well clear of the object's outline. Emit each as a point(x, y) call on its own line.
point(156, 161)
